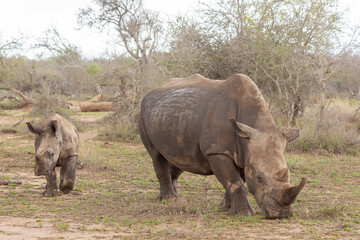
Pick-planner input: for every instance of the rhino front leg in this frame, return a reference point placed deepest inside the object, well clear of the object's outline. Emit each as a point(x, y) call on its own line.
point(51, 185)
point(225, 204)
point(226, 172)
point(67, 174)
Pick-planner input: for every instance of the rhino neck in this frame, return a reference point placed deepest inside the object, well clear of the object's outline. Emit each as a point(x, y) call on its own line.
point(251, 109)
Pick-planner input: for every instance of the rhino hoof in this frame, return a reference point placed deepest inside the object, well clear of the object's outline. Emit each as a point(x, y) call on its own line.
point(66, 190)
point(225, 205)
point(241, 213)
point(167, 197)
point(247, 212)
point(49, 193)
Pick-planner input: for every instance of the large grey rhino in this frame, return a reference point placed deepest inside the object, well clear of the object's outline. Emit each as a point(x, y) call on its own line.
point(224, 128)
point(56, 144)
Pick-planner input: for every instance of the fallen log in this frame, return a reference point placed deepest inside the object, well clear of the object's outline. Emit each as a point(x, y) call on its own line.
point(96, 106)
point(11, 129)
point(25, 100)
point(9, 182)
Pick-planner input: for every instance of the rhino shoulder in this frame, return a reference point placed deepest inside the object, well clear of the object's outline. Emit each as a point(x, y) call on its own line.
point(243, 81)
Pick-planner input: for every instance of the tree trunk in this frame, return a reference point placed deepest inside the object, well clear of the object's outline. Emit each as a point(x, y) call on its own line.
point(298, 107)
point(323, 92)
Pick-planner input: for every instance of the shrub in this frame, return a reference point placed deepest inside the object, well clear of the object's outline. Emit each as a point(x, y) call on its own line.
point(123, 124)
point(122, 130)
point(337, 133)
point(47, 105)
point(7, 105)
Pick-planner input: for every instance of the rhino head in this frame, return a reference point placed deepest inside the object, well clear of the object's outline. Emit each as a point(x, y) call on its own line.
point(266, 173)
point(47, 147)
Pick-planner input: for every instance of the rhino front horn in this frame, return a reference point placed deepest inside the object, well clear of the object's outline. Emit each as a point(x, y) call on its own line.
point(290, 193)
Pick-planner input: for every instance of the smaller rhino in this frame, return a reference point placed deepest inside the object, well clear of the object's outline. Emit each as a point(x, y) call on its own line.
point(56, 145)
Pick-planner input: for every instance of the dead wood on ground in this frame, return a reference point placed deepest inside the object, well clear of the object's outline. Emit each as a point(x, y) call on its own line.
point(25, 101)
point(96, 106)
point(11, 129)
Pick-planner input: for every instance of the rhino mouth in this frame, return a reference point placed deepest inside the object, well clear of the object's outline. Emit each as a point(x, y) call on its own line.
point(272, 209)
point(41, 170)
point(275, 215)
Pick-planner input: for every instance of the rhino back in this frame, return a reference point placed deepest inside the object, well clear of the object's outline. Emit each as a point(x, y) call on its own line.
point(172, 118)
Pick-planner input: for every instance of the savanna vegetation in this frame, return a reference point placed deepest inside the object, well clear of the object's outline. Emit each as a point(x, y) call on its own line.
point(302, 55)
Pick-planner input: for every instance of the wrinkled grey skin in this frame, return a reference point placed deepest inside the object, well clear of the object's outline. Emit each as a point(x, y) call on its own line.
point(56, 144)
point(224, 128)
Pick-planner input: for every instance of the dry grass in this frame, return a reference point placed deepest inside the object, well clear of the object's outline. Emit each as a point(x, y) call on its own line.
point(117, 192)
point(337, 133)
point(116, 198)
point(122, 125)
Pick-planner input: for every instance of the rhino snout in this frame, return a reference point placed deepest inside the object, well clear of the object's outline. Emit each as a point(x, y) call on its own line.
point(272, 209)
point(38, 171)
point(42, 168)
point(284, 213)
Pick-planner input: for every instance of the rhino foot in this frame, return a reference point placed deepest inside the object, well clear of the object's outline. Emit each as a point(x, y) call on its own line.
point(241, 212)
point(241, 209)
point(167, 196)
point(225, 204)
point(66, 183)
point(50, 193)
point(240, 206)
point(66, 190)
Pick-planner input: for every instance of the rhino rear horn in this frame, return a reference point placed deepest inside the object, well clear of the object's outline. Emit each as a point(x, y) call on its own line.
point(33, 129)
point(243, 130)
point(290, 194)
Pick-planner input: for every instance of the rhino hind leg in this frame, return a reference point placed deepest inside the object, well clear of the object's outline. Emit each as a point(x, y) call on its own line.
point(51, 185)
point(166, 173)
point(162, 170)
point(67, 174)
point(235, 200)
point(175, 174)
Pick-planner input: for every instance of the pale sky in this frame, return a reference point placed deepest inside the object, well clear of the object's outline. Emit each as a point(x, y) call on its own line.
point(34, 17)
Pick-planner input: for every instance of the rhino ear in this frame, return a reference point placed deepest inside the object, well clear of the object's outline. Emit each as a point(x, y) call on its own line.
point(290, 133)
point(243, 130)
point(33, 129)
point(53, 126)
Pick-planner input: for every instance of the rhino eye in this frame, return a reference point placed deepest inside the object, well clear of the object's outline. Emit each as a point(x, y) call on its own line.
point(49, 154)
point(259, 179)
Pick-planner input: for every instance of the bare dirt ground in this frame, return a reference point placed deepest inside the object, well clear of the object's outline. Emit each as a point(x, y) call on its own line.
point(116, 191)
